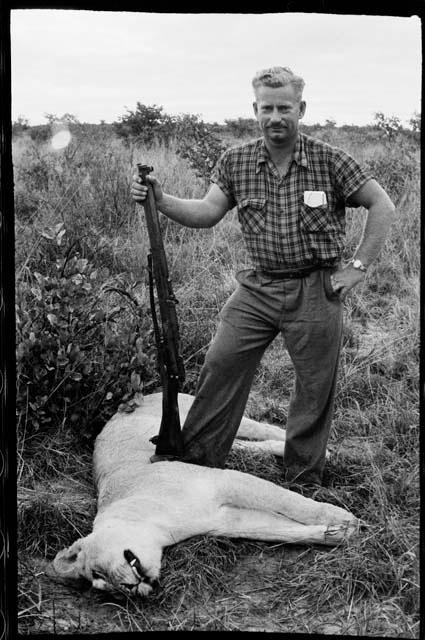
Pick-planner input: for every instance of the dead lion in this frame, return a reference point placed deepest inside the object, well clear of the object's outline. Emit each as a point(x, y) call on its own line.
point(144, 507)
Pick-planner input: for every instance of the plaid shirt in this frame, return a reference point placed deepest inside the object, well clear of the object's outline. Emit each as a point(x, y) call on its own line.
point(279, 229)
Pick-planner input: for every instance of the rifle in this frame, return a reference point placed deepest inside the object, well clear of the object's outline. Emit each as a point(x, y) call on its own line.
point(169, 442)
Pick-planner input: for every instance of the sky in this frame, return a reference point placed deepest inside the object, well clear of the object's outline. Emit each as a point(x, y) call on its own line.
point(98, 65)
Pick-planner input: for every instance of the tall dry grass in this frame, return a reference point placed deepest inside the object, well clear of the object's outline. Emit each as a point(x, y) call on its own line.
point(368, 587)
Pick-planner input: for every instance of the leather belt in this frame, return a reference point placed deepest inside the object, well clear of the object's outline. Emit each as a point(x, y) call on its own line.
point(289, 275)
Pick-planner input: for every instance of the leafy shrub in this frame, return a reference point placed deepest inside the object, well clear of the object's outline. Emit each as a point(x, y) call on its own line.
point(415, 122)
point(198, 142)
point(40, 133)
point(390, 126)
point(75, 359)
point(146, 124)
point(26, 205)
point(194, 139)
point(19, 126)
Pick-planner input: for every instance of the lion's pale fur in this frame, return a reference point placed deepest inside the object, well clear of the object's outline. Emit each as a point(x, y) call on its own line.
point(143, 507)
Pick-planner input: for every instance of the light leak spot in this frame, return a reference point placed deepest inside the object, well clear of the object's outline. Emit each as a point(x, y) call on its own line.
point(61, 139)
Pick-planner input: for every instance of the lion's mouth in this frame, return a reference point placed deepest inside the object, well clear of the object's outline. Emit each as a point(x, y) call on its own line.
point(139, 572)
point(144, 585)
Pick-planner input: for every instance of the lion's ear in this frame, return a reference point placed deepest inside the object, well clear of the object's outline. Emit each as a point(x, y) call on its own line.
point(68, 562)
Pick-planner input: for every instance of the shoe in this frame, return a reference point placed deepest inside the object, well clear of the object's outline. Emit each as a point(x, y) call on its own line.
point(299, 476)
point(307, 484)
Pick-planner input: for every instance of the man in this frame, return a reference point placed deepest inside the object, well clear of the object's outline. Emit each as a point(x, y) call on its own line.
point(291, 192)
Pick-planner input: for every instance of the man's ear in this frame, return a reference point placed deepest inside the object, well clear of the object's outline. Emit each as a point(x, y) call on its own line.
point(302, 109)
point(68, 563)
point(255, 107)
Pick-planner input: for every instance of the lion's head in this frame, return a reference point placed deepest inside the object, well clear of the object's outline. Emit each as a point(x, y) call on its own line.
point(111, 561)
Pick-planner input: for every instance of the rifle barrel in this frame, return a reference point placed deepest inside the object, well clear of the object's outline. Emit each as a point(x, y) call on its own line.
point(169, 443)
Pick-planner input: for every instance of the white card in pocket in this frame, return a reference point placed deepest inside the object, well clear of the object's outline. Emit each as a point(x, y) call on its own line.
point(314, 198)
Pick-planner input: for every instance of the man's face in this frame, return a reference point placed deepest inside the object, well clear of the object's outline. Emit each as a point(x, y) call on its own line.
point(278, 110)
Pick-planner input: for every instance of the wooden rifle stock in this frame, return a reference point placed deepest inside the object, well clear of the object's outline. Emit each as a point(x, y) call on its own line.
point(169, 442)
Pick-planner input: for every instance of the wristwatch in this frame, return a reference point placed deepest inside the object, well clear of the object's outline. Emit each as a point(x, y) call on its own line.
point(358, 264)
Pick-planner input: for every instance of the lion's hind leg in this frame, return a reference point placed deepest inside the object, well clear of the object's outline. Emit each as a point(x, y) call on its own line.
point(275, 447)
point(261, 437)
point(261, 525)
point(244, 490)
point(252, 430)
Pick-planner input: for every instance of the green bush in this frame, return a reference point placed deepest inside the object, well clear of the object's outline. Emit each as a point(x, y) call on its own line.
point(390, 126)
point(80, 349)
point(194, 139)
point(199, 143)
point(146, 125)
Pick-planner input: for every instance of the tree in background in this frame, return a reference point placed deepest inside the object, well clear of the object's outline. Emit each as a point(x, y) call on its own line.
point(415, 122)
point(389, 125)
point(199, 143)
point(20, 125)
point(331, 123)
point(195, 140)
point(146, 124)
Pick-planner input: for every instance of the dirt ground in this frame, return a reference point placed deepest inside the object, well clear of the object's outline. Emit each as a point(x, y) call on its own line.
point(63, 609)
point(247, 601)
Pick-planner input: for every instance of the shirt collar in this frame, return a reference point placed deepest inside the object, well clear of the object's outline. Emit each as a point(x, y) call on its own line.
point(262, 156)
point(299, 154)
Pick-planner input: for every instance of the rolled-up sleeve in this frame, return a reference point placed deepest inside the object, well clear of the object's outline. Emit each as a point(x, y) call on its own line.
point(349, 175)
point(221, 176)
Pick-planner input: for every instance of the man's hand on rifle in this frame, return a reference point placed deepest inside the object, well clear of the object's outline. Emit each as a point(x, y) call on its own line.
point(196, 213)
point(139, 191)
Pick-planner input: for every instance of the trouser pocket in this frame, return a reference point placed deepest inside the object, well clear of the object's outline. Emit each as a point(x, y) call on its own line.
point(329, 290)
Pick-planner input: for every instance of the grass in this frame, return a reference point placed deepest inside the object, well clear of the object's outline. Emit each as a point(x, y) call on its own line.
point(368, 586)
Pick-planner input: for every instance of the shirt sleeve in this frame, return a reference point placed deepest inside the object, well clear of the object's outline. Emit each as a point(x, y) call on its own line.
point(221, 176)
point(349, 175)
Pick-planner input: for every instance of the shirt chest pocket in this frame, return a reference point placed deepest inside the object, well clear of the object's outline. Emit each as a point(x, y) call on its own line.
point(314, 219)
point(252, 214)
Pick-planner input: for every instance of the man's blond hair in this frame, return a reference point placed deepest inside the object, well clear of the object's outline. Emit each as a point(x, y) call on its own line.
point(278, 77)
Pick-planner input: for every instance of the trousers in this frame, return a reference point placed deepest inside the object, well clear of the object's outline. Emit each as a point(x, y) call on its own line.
point(309, 314)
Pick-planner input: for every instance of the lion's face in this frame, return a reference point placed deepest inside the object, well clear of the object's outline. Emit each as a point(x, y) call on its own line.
point(111, 563)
